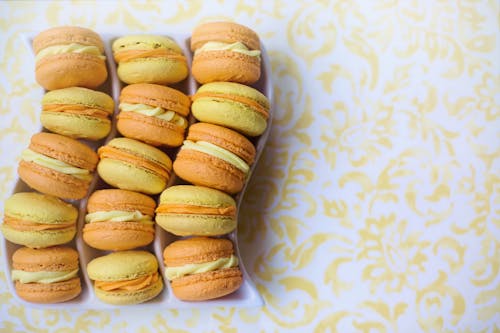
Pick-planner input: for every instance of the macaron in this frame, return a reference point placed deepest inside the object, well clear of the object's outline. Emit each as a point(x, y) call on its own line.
point(47, 275)
point(153, 114)
point(37, 220)
point(57, 165)
point(69, 56)
point(232, 105)
point(125, 277)
point(149, 59)
point(188, 210)
point(119, 220)
point(77, 112)
point(202, 268)
point(132, 165)
point(225, 51)
point(216, 157)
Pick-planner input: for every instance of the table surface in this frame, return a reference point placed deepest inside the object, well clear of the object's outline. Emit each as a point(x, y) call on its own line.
point(376, 204)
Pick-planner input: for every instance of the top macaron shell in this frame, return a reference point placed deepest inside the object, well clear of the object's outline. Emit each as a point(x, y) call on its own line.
point(37, 220)
point(232, 105)
point(77, 112)
point(57, 165)
point(153, 114)
point(69, 56)
point(234, 57)
point(149, 59)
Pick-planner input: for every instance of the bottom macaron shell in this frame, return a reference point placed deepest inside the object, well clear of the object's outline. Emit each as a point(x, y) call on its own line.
point(117, 236)
point(209, 285)
point(225, 66)
point(38, 239)
point(52, 182)
point(70, 70)
point(200, 225)
point(204, 170)
point(49, 292)
point(125, 297)
point(128, 177)
point(75, 126)
point(152, 130)
point(152, 70)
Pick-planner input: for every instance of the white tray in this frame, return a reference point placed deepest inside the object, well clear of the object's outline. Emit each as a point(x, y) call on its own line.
point(246, 296)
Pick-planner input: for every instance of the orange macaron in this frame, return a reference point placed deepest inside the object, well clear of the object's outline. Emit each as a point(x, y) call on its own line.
point(57, 165)
point(48, 275)
point(153, 114)
point(69, 56)
point(119, 220)
point(225, 51)
point(216, 157)
point(202, 268)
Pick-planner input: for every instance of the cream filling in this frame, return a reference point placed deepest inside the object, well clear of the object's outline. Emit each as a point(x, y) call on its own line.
point(213, 150)
point(69, 48)
point(234, 47)
point(29, 155)
point(117, 216)
point(151, 111)
point(42, 276)
point(176, 272)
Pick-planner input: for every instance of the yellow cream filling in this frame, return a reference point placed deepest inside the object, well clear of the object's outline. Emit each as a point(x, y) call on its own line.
point(117, 216)
point(29, 155)
point(42, 276)
point(176, 272)
point(213, 150)
point(234, 47)
point(158, 112)
point(69, 48)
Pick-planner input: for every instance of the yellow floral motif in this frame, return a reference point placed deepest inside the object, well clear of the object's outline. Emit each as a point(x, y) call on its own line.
point(395, 256)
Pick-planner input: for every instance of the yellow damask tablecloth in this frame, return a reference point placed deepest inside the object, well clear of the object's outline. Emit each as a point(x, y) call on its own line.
point(376, 205)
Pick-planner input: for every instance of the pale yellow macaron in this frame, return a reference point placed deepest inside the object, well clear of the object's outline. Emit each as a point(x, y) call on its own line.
point(149, 59)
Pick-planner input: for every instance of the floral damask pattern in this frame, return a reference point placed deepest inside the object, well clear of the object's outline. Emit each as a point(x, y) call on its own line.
point(376, 204)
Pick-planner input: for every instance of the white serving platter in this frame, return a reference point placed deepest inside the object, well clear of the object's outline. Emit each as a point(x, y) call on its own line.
point(246, 296)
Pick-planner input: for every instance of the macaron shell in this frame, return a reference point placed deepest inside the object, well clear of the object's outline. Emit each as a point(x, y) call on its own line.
point(38, 239)
point(76, 126)
point(129, 177)
point(212, 66)
point(52, 182)
point(151, 130)
point(204, 170)
point(152, 70)
point(148, 41)
point(209, 285)
point(226, 32)
point(196, 225)
point(67, 35)
point(56, 258)
point(123, 265)
point(156, 95)
point(49, 293)
point(36, 207)
point(117, 236)
point(124, 297)
point(197, 250)
point(79, 96)
point(115, 199)
point(70, 69)
point(64, 149)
